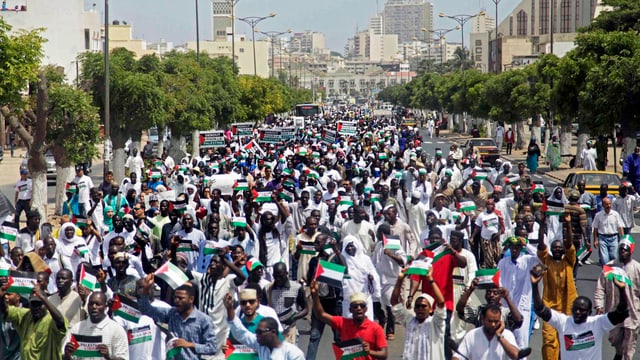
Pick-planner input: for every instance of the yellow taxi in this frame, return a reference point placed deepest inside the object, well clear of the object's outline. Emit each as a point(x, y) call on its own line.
point(593, 180)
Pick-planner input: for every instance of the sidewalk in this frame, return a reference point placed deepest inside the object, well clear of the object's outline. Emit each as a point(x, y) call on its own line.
point(518, 156)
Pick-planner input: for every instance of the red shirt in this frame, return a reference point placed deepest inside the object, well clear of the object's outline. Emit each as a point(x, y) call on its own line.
point(368, 331)
point(443, 276)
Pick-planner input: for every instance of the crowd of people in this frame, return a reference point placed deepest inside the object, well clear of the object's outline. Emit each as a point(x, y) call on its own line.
point(348, 223)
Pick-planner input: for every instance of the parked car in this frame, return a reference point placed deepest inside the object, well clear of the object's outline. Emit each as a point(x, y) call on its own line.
point(486, 149)
point(52, 174)
point(593, 179)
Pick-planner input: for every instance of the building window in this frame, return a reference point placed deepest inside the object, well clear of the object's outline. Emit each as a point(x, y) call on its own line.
point(241, 50)
point(522, 23)
point(565, 16)
point(321, 82)
point(544, 17)
point(510, 25)
point(352, 83)
point(533, 18)
point(330, 83)
point(363, 82)
point(87, 39)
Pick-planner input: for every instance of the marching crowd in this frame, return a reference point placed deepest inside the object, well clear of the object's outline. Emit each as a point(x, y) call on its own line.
point(349, 223)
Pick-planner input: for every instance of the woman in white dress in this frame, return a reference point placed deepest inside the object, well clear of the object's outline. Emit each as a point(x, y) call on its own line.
point(361, 275)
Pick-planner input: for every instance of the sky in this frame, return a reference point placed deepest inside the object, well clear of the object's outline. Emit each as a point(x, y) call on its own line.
point(174, 21)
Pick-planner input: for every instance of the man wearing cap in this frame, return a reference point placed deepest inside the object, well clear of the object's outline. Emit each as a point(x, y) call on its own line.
point(416, 213)
point(362, 229)
point(490, 226)
point(425, 334)
point(424, 187)
point(625, 203)
point(29, 234)
point(504, 206)
point(289, 301)
point(589, 156)
point(41, 327)
point(22, 200)
point(261, 335)
point(578, 224)
point(623, 338)
point(401, 229)
point(190, 234)
point(371, 334)
point(559, 290)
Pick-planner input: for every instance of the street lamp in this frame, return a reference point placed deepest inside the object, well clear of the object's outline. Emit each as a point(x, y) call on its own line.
point(461, 19)
point(440, 33)
point(273, 35)
point(233, 33)
point(107, 102)
point(496, 2)
point(253, 21)
point(197, 34)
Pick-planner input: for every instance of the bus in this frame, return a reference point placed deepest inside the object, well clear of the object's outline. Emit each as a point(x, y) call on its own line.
point(308, 110)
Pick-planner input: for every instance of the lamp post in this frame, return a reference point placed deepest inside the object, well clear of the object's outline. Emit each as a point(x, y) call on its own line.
point(440, 33)
point(496, 2)
point(107, 102)
point(197, 34)
point(273, 35)
point(233, 33)
point(253, 21)
point(461, 19)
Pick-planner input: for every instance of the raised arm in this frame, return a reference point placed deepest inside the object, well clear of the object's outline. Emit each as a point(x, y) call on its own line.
point(157, 314)
point(238, 330)
point(464, 298)
point(513, 309)
point(541, 310)
point(318, 310)
point(57, 316)
point(622, 311)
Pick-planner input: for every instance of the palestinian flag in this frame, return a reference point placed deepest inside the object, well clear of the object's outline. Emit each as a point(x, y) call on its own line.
point(263, 196)
point(287, 171)
point(209, 248)
point(88, 280)
point(81, 249)
point(436, 251)
point(382, 156)
point(21, 282)
point(240, 352)
point(249, 146)
point(70, 188)
point(455, 215)
point(289, 183)
point(488, 278)
point(125, 308)
point(466, 206)
point(315, 155)
point(172, 349)
point(286, 195)
point(185, 246)
point(537, 188)
point(86, 346)
point(479, 174)
point(302, 151)
point(8, 233)
point(157, 163)
point(172, 275)
point(375, 197)
point(613, 272)
point(4, 271)
point(81, 222)
point(328, 249)
point(330, 273)
point(511, 179)
point(419, 267)
point(241, 185)
point(313, 174)
point(253, 264)
point(308, 248)
point(391, 242)
point(583, 253)
point(350, 349)
point(239, 221)
point(138, 335)
point(155, 174)
point(345, 201)
point(628, 240)
point(552, 208)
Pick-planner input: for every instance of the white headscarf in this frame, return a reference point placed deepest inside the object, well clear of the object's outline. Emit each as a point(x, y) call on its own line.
point(359, 267)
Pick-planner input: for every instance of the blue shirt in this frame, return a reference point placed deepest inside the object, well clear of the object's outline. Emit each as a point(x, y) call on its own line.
point(197, 328)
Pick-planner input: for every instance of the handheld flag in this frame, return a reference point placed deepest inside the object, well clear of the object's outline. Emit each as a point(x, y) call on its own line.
point(551, 208)
point(88, 280)
point(330, 273)
point(240, 352)
point(466, 206)
point(308, 248)
point(488, 278)
point(437, 251)
point(8, 233)
point(613, 272)
point(263, 196)
point(21, 282)
point(86, 346)
point(392, 242)
point(172, 349)
point(350, 349)
point(172, 275)
point(125, 308)
point(419, 267)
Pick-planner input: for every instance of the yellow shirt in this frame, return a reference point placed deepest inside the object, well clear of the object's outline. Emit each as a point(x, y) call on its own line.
point(559, 287)
point(41, 340)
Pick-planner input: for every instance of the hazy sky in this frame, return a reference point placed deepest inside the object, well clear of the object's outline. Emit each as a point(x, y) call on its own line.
point(153, 20)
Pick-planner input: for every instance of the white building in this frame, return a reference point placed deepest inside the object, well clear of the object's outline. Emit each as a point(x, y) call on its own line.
point(482, 31)
point(221, 22)
point(69, 28)
point(407, 18)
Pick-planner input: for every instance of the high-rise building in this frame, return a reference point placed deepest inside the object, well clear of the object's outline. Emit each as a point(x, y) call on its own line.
point(221, 10)
point(311, 42)
point(407, 18)
point(482, 23)
point(482, 30)
point(376, 25)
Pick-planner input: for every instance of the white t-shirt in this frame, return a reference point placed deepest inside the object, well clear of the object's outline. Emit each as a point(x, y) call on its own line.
point(581, 341)
point(489, 224)
point(24, 189)
point(476, 346)
point(84, 185)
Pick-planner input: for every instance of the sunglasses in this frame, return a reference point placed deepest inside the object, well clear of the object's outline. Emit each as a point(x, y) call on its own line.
point(359, 305)
point(245, 302)
point(263, 331)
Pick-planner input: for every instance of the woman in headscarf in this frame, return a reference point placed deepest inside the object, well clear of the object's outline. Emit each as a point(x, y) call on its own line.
point(361, 275)
point(533, 152)
point(555, 205)
point(72, 248)
point(553, 154)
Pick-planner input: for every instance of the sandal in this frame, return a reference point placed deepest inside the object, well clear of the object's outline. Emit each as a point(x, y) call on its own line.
point(391, 336)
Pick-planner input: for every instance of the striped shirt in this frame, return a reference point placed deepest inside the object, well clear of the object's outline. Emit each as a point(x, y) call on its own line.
point(578, 221)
